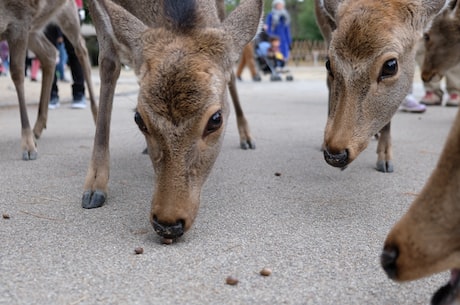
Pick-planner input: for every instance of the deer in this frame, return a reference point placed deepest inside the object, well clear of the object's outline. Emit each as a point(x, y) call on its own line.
point(371, 62)
point(442, 42)
point(183, 54)
point(425, 241)
point(22, 24)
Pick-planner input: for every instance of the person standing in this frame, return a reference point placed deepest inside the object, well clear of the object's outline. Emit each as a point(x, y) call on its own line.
point(78, 86)
point(278, 24)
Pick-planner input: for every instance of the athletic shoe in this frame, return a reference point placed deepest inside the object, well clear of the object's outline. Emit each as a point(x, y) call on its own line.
point(410, 104)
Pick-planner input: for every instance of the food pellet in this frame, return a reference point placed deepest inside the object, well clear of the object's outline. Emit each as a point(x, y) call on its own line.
point(231, 280)
point(6, 216)
point(139, 250)
point(266, 272)
point(277, 174)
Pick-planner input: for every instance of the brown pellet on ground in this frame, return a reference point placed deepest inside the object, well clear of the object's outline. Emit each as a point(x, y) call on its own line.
point(167, 241)
point(5, 216)
point(277, 174)
point(230, 280)
point(266, 272)
point(139, 250)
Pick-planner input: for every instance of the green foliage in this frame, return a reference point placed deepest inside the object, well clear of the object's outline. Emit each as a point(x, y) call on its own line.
point(308, 29)
point(302, 14)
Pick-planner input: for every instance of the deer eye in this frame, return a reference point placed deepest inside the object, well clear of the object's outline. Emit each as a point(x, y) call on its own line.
point(214, 123)
point(389, 69)
point(426, 37)
point(140, 122)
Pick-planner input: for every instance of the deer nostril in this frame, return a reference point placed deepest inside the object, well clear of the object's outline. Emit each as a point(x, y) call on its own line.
point(339, 159)
point(168, 230)
point(388, 260)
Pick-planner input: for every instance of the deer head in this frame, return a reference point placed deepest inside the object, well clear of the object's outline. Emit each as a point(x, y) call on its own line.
point(426, 240)
point(183, 65)
point(442, 42)
point(371, 66)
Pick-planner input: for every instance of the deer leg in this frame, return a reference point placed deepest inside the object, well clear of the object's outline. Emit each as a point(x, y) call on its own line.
point(384, 150)
point(246, 141)
point(70, 25)
point(95, 188)
point(18, 49)
point(46, 53)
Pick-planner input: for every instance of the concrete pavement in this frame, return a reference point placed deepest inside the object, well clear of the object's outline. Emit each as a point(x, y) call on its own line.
point(319, 229)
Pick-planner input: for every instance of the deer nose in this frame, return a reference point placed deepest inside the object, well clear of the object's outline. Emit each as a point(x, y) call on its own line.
point(339, 159)
point(168, 230)
point(388, 261)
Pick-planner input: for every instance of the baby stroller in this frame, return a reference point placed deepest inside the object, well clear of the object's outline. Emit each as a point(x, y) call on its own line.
point(267, 64)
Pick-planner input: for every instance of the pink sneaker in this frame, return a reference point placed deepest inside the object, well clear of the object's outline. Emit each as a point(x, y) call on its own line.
point(431, 99)
point(453, 101)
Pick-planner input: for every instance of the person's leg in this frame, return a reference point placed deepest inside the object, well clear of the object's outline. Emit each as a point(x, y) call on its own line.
point(453, 86)
point(34, 69)
point(249, 54)
point(62, 61)
point(78, 86)
point(241, 64)
point(54, 98)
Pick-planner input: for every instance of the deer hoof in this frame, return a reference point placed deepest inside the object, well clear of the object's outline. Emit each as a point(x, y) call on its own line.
point(92, 200)
point(29, 155)
point(248, 145)
point(385, 166)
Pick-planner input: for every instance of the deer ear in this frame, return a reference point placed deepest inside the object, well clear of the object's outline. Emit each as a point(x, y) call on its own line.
point(430, 8)
point(242, 25)
point(122, 27)
point(329, 7)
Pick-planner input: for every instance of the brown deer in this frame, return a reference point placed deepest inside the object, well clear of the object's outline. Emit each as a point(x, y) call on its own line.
point(426, 239)
point(442, 43)
point(21, 24)
point(183, 56)
point(370, 65)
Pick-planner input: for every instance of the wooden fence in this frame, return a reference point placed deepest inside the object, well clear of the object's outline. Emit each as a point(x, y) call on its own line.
point(310, 51)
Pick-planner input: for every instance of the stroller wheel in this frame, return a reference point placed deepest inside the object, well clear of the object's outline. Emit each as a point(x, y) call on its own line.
point(275, 78)
point(289, 78)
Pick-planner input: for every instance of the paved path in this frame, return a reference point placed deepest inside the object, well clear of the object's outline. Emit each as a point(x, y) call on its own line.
point(318, 228)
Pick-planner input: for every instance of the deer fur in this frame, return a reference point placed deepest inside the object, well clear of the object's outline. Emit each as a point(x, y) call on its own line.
point(183, 55)
point(371, 60)
point(442, 43)
point(21, 24)
point(426, 239)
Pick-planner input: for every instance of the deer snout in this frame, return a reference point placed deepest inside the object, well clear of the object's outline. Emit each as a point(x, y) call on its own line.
point(168, 230)
point(388, 260)
point(337, 158)
point(430, 75)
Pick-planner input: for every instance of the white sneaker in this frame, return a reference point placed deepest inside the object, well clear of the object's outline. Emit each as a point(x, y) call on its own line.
point(79, 103)
point(410, 104)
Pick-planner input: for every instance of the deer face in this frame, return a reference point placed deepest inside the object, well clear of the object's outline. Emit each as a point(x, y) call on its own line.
point(182, 111)
point(370, 70)
point(442, 42)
